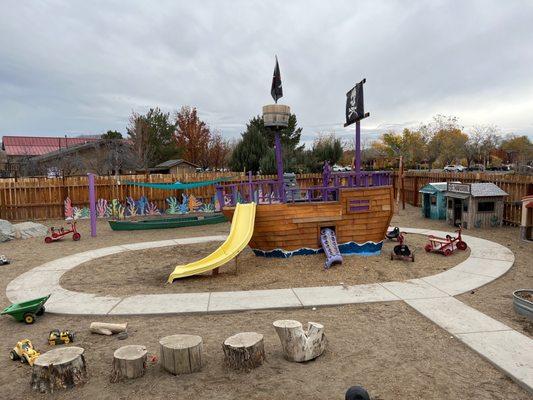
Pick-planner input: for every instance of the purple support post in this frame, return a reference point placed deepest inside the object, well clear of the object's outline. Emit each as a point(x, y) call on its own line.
point(251, 186)
point(357, 152)
point(220, 196)
point(279, 166)
point(326, 173)
point(234, 195)
point(92, 204)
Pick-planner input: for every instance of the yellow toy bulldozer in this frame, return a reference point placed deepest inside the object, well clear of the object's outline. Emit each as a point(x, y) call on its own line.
point(24, 352)
point(60, 337)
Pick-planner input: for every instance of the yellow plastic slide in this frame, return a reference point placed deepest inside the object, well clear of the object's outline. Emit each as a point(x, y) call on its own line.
point(242, 228)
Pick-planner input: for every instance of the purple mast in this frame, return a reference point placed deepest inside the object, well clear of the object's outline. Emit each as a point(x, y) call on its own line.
point(355, 112)
point(357, 152)
point(279, 164)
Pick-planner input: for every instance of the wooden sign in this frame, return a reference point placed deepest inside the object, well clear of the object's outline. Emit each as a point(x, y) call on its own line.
point(458, 187)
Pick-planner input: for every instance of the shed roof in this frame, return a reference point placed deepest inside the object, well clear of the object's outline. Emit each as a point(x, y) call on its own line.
point(481, 189)
point(173, 163)
point(457, 195)
point(38, 145)
point(75, 148)
point(434, 187)
point(486, 189)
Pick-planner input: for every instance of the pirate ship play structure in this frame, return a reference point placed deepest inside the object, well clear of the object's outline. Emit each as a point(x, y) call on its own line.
point(349, 213)
point(356, 206)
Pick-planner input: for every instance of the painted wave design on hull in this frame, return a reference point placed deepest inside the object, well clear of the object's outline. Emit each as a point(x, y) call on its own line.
point(348, 248)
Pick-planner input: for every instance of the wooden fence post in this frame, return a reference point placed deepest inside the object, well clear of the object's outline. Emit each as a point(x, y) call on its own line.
point(415, 194)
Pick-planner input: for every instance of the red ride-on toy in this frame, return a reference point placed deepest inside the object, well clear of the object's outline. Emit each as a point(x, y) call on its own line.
point(401, 251)
point(59, 233)
point(446, 245)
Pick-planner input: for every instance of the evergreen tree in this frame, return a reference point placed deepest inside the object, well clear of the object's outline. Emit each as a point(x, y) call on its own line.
point(153, 137)
point(249, 151)
point(111, 135)
point(327, 148)
point(267, 164)
point(290, 136)
point(255, 151)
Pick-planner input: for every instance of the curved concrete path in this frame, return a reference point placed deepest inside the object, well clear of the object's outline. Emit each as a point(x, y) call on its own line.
point(432, 296)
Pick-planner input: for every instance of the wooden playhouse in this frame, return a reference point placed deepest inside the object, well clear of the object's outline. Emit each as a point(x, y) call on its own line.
point(474, 205)
point(433, 201)
point(526, 225)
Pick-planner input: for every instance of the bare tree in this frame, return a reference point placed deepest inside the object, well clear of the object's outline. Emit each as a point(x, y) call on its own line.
point(483, 140)
point(139, 132)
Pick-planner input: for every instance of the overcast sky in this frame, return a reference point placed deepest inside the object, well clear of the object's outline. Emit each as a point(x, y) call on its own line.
point(81, 67)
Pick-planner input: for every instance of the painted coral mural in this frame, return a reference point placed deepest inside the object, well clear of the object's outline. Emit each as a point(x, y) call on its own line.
point(130, 207)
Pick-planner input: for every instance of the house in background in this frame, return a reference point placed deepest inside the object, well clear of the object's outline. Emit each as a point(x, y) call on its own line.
point(22, 147)
point(474, 205)
point(433, 201)
point(102, 156)
point(175, 167)
point(19, 149)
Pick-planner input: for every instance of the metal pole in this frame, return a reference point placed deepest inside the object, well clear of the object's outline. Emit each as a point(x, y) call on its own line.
point(279, 165)
point(357, 152)
point(92, 204)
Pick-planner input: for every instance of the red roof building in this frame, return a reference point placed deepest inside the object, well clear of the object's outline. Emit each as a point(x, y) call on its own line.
point(29, 146)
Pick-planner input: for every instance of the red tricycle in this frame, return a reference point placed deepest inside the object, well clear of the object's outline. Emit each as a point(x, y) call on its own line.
point(59, 233)
point(446, 245)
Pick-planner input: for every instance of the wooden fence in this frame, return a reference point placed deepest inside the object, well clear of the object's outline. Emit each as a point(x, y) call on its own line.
point(42, 198)
point(517, 186)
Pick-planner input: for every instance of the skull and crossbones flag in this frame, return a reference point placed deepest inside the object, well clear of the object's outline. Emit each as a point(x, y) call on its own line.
point(355, 108)
point(276, 90)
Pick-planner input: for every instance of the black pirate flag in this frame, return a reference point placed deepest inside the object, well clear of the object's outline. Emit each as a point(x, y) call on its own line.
point(355, 107)
point(276, 91)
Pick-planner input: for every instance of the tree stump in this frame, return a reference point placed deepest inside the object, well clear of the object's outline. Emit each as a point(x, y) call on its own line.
point(181, 354)
point(61, 368)
point(299, 345)
point(244, 351)
point(128, 362)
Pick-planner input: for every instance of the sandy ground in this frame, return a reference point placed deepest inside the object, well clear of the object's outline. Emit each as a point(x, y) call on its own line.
point(496, 298)
point(386, 347)
point(146, 271)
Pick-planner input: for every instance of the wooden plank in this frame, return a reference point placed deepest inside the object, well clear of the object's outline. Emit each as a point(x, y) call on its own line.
point(317, 219)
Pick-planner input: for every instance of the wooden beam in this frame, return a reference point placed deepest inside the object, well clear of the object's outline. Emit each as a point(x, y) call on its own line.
point(316, 219)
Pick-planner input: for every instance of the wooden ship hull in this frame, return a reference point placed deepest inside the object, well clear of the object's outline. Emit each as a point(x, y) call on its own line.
point(360, 218)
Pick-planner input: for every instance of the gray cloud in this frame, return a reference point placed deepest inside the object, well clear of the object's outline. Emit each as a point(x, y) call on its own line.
point(82, 67)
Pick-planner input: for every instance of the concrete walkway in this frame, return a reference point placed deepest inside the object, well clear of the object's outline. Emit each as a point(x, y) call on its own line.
point(431, 296)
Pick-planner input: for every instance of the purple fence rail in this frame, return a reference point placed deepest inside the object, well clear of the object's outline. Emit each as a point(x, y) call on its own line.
point(272, 191)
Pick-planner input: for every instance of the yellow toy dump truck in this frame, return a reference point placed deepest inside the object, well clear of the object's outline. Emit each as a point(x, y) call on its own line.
point(60, 337)
point(24, 352)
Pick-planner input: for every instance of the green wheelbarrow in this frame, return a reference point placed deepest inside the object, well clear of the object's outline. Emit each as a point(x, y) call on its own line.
point(27, 310)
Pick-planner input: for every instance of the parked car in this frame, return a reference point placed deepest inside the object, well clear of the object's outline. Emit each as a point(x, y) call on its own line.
point(476, 167)
point(500, 168)
point(454, 168)
point(339, 168)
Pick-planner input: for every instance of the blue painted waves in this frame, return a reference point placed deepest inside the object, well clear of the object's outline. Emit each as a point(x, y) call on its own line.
point(348, 248)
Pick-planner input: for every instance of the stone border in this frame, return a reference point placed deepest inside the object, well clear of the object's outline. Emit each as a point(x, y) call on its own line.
point(431, 296)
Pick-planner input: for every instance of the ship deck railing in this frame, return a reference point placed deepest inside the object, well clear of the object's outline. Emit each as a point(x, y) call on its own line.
point(271, 191)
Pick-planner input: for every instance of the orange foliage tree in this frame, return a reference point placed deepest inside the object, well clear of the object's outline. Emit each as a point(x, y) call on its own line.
point(192, 135)
point(200, 145)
